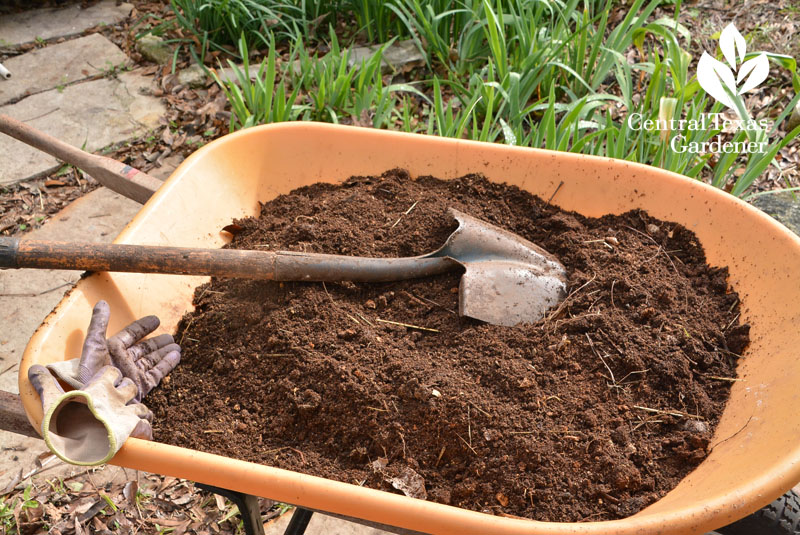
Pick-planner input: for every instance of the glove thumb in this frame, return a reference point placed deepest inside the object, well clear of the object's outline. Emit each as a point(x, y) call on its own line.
point(44, 383)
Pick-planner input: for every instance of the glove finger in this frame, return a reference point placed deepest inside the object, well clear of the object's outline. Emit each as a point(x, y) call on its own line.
point(143, 430)
point(95, 352)
point(41, 379)
point(127, 389)
point(153, 376)
point(151, 359)
point(107, 373)
point(148, 346)
point(134, 332)
point(141, 410)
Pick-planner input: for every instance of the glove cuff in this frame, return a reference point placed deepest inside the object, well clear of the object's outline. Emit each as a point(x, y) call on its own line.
point(77, 433)
point(67, 371)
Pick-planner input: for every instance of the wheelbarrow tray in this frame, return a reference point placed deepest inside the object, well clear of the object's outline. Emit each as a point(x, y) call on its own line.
point(756, 447)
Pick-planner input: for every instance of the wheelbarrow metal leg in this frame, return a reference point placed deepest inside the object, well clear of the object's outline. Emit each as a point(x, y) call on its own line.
point(248, 505)
point(299, 522)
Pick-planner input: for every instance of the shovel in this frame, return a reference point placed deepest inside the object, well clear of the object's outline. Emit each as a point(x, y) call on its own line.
point(507, 280)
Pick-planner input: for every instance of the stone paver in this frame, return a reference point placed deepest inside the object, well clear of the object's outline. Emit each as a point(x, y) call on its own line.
point(58, 65)
point(783, 207)
point(395, 56)
point(98, 217)
point(27, 26)
point(91, 115)
point(28, 295)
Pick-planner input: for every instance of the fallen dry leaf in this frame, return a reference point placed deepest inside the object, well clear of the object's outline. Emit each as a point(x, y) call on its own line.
point(410, 483)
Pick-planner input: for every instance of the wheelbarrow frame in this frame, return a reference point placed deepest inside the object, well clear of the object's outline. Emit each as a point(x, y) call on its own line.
point(229, 177)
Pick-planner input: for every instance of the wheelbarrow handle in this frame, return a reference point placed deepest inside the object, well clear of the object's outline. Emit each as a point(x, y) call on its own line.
point(114, 175)
point(266, 265)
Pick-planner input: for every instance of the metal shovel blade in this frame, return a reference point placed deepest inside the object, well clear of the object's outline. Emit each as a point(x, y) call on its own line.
point(507, 280)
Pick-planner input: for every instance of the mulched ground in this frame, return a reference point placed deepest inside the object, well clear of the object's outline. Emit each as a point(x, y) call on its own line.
point(125, 502)
point(592, 414)
point(194, 117)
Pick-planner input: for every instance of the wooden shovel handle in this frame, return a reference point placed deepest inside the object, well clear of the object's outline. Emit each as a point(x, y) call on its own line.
point(15, 253)
point(231, 263)
point(114, 175)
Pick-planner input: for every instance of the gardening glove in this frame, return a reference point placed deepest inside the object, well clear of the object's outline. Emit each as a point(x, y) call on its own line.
point(88, 426)
point(145, 362)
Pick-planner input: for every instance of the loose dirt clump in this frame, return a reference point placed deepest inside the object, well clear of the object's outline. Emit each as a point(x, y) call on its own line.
point(592, 414)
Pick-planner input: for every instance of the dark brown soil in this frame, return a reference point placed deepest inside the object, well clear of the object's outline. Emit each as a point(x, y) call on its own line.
point(591, 414)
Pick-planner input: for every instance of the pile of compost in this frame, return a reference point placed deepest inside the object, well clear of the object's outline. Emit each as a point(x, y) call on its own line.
point(591, 414)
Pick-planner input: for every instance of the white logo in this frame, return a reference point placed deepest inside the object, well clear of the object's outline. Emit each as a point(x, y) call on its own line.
point(718, 79)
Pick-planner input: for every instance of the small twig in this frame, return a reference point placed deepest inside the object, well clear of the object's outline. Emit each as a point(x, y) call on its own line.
point(622, 381)
point(438, 459)
point(191, 320)
point(207, 291)
point(719, 378)
point(612, 293)
point(45, 114)
point(37, 294)
point(408, 325)
point(431, 301)
point(326, 292)
point(613, 380)
point(467, 444)
point(660, 248)
point(645, 422)
point(610, 341)
point(591, 344)
point(212, 431)
point(556, 191)
point(480, 410)
point(601, 240)
point(10, 367)
point(404, 214)
point(365, 319)
point(276, 450)
point(403, 440)
point(563, 304)
point(300, 453)
point(736, 317)
point(730, 437)
point(469, 427)
point(669, 412)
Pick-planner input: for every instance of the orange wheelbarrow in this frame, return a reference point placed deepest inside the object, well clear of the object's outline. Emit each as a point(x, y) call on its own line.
point(756, 449)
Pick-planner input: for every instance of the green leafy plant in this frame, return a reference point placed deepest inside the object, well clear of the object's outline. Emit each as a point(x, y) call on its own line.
point(329, 88)
point(555, 74)
point(7, 519)
point(262, 98)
